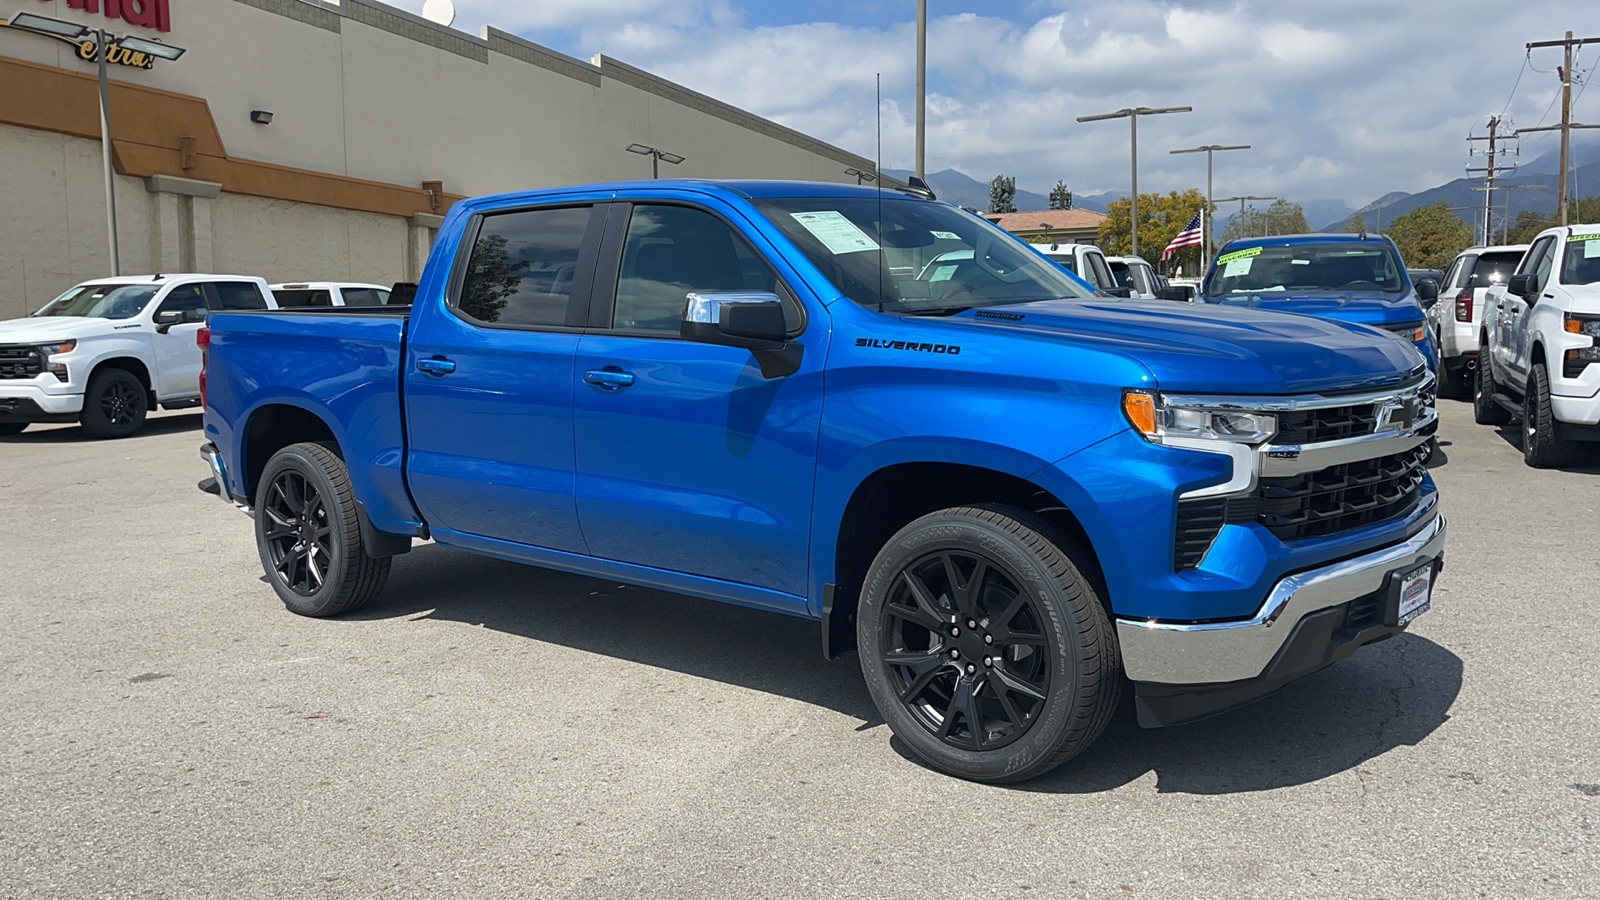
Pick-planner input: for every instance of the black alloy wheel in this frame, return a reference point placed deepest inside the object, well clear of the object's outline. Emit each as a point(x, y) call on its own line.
point(298, 534)
point(967, 649)
point(1485, 411)
point(115, 404)
point(121, 404)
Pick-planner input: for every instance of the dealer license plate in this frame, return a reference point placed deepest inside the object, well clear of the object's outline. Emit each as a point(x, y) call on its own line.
point(1416, 593)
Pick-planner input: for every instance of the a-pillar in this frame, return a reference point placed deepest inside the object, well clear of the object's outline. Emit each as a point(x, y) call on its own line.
point(180, 226)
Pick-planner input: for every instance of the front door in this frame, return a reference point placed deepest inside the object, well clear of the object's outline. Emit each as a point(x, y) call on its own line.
point(177, 356)
point(489, 383)
point(1514, 344)
point(688, 458)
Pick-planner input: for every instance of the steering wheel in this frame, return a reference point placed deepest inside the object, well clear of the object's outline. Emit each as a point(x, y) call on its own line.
point(1361, 286)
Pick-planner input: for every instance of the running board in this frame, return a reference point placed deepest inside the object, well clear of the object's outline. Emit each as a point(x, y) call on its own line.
point(1511, 405)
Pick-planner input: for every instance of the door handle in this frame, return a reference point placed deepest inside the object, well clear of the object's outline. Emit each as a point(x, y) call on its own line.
point(437, 366)
point(610, 378)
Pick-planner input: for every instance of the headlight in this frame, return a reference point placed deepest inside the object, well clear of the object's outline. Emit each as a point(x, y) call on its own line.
point(1160, 423)
point(58, 369)
point(1586, 325)
point(58, 349)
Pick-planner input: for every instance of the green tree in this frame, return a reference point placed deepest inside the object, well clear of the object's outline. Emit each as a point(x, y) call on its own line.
point(1161, 217)
point(1002, 194)
point(1060, 197)
point(1282, 217)
point(492, 276)
point(1429, 237)
point(1358, 225)
point(1527, 224)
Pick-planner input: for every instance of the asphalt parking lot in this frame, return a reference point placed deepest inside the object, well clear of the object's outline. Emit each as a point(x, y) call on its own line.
point(487, 730)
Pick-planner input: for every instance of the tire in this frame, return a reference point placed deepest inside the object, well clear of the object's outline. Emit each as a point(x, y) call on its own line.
point(309, 534)
point(1484, 410)
point(115, 405)
point(1542, 445)
point(1045, 684)
point(1453, 380)
point(12, 429)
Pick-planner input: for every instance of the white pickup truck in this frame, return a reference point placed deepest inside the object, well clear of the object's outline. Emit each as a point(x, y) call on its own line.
point(109, 350)
point(1539, 361)
point(1087, 262)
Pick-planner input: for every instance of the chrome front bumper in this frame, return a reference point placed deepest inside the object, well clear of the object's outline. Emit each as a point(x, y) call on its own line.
point(1220, 652)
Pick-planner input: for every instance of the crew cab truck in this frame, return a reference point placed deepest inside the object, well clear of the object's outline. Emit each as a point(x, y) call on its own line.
point(1540, 362)
point(1087, 262)
point(108, 351)
point(1457, 316)
point(1349, 277)
point(1002, 491)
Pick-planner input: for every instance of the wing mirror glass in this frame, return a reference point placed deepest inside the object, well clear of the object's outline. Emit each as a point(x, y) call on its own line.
point(1427, 292)
point(753, 320)
point(1520, 285)
point(168, 318)
point(1119, 291)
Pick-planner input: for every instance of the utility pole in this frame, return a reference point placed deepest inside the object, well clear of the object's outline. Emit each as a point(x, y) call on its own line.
point(1243, 225)
point(1489, 171)
point(922, 88)
point(1567, 124)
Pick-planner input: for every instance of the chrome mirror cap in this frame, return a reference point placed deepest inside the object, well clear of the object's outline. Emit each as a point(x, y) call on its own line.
point(705, 308)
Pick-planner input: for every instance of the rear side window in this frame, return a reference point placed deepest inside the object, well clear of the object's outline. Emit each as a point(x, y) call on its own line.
point(672, 251)
point(1493, 268)
point(362, 296)
point(523, 265)
point(292, 299)
point(236, 295)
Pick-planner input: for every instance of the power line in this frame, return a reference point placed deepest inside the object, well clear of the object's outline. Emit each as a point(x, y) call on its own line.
point(1526, 58)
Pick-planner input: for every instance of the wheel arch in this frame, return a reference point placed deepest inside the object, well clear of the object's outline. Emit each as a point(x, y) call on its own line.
point(131, 364)
point(272, 426)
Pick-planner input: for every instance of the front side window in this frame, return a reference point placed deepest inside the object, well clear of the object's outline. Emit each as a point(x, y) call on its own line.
point(523, 265)
point(189, 299)
point(101, 301)
point(1582, 265)
point(1101, 272)
point(1541, 269)
point(672, 251)
point(1123, 273)
point(238, 295)
point(1307, 267)
point(917, 255)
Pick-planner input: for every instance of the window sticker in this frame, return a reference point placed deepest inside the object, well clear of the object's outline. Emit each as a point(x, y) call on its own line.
point(944, 273)
point(1300, 262)
point(1591, 244)
point(1226, 258)
point(837, 233)
point(1238, 265)
point(952, 236)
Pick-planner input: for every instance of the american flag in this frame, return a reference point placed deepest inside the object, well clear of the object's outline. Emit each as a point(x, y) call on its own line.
point(1188, 237)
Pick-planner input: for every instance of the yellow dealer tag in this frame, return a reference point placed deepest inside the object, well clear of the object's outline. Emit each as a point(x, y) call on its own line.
point(1238, 254)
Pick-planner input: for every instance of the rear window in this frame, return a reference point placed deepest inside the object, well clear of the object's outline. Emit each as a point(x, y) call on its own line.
point(238, 295)
point(294, 299)
point(1493, 268)
point(364, 296)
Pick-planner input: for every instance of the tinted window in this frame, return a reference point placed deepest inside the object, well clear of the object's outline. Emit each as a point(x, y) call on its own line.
point(360, 297)
point(290, 299)
point(1342, 266)
point(1582, 265)
point(1493, 268)
point(1070, 263)
point(523, 265)
point(237, 295)
point(672, 251)
point(189, 299)
point(1123, 274)
point(101, 301)
point(1102, 275)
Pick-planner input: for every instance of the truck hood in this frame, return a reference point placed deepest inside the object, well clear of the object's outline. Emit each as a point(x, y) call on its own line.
point(1205, 349)
point(59, 328)
point(1362, 307)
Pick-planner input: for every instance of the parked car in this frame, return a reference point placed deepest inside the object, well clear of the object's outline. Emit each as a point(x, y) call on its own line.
point(109, 350)
point(1457, 317)
point(329, 293)
point(1540, 362)
point(1005, 492)
point(1087, 262)
point(1348, 277)
point(1138, 276)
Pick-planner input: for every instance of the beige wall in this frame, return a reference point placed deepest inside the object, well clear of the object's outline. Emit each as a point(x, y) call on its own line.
point(283, 241)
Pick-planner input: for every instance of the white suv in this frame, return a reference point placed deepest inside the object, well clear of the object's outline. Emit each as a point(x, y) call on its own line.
point(108, 350)
point(1457, 316)
point(329, 293)
point(1540, 360)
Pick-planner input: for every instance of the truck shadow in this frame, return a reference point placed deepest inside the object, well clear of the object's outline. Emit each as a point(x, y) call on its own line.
point(1586, 460)
point(1388, 695)
point(74, 434)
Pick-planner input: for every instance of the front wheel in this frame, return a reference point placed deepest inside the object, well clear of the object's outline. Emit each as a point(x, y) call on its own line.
point(115, 404)
point(1485, 411)
point(309, 534)
point(1542, 444)
point(983, 645)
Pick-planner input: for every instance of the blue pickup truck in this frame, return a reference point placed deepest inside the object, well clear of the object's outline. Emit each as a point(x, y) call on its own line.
point(1347, 277)
point(1010, 496)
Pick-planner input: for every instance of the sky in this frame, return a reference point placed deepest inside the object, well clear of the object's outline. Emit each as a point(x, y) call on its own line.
point(1339, 99)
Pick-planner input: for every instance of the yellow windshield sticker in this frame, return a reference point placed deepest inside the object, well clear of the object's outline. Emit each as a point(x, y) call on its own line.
point(1226, 258)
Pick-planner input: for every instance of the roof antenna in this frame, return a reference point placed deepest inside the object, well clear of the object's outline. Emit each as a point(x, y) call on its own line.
point(878, 167)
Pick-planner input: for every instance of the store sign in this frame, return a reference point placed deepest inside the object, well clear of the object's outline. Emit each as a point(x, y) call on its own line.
point(138, 13)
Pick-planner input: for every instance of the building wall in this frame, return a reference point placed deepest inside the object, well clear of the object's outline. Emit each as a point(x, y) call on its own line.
point(358, 90)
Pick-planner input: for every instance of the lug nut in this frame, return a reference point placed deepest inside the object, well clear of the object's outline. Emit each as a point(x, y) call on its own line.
point(955, 654)
point(954, 631)
point(972, 624)
point(988, 662)
point(988, 639)
point(971, 668)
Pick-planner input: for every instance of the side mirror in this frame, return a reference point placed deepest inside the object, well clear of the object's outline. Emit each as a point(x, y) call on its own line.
point(1175, 294)
point(752, 320)
point(168, 318)
point(1521, 285)
point(1118, 291)
point(1427, 292)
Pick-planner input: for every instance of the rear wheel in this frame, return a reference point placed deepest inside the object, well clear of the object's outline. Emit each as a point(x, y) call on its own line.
point(1484, 410)
point(115, 404)
point(12, 429)
point(1542, 444)
point(309, 534)
point(983, 645)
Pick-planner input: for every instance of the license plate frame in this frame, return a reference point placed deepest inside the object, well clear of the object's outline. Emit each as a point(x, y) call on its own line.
point(1414, 593)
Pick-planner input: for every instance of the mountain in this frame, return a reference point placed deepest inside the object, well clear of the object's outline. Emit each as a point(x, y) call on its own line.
point(1538, 193)
point(1584, 152)
point(1323, 210)
point(964, 190)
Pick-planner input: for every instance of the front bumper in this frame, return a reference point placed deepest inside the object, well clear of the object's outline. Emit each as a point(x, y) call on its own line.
point(40, 407)
point(1186, 670)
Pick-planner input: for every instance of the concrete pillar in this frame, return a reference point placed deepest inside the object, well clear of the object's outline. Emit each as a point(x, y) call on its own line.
point(180, 228)
point(420, 236)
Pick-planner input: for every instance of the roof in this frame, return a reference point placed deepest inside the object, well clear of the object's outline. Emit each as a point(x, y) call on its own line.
point(1055, 219)
point(749, 189)
point(164, 278)
point(1283, 240)
point(324, 285)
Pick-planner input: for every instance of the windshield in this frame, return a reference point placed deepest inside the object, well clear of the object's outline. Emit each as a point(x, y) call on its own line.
point(1307, 267)
point(1583, 260)
point(920, 257)
point(101, 301)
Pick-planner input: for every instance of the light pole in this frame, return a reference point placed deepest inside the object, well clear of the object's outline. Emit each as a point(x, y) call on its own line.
point(1132, 114)
point(656, 157)
point(860, 175)
point(1241, 207)
point(1205, 253)
point(73, 31)
point(922, 88)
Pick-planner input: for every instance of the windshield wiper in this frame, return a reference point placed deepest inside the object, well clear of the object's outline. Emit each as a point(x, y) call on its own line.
point(936, 311)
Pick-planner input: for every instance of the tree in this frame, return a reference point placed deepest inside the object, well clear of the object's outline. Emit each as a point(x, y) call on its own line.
point(1358, 225)
point(1161, 217)
point(1282, 217)
point(1060, 197)
point(1529, 223)
point(1002, 194)
point(1429, 237)
point(492, 277)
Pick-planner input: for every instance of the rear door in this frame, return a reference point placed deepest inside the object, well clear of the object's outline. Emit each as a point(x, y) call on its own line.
point(689, 459)
point(490, 384)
